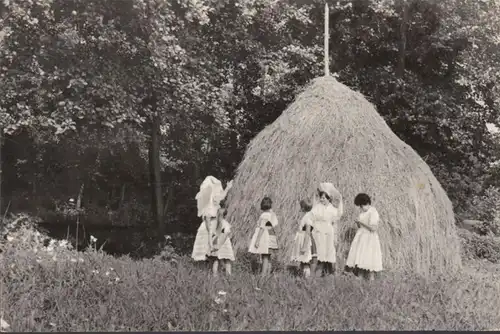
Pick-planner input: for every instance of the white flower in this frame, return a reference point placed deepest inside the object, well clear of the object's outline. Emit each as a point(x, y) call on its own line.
point(54, 258)
point(106, 273)
point(218, 300)
point(9, 238)
point(63, 243)
point(117, 279)
point(93, 239)
point(80, 259)
point(95, 271)
point(224, 311)
point(73, 260)
point(73, 12)
point(221, 293)
point(3, 324)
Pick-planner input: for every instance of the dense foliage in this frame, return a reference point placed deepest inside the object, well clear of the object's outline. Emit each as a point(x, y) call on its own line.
point(139, 100)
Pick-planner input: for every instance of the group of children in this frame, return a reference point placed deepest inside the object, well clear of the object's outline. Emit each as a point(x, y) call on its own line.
point(314, 246)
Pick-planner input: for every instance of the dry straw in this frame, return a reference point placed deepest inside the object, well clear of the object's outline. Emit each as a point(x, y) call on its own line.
point(333, 134)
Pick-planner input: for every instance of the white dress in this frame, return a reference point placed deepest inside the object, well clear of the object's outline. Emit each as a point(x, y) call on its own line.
point(325, 218)
point(268, 238)
point(200, 248)
point(307, 220)
point(365, 252)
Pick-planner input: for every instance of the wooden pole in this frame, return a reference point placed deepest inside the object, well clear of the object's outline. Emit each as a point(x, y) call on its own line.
point(327, 35)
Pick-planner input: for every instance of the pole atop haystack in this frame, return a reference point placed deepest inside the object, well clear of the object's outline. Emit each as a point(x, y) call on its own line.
point(327, 37)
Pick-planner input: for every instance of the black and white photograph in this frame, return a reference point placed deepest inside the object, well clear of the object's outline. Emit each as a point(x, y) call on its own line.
point(249, 165)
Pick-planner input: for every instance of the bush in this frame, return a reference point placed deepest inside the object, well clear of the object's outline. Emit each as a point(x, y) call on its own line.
point(476, 246)
point(486, 208)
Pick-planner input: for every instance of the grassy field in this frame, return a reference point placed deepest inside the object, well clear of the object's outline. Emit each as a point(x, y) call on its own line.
point(53, 288)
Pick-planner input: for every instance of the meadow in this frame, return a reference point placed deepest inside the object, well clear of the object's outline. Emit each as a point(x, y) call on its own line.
point(49, 286)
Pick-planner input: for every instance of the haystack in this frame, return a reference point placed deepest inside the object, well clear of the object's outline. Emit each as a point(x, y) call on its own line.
point(333, 134)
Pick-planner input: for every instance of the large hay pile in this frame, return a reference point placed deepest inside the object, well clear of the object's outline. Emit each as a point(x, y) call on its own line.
point(333, 134)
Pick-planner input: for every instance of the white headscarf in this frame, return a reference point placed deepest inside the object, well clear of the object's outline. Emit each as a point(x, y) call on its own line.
point(210, 195)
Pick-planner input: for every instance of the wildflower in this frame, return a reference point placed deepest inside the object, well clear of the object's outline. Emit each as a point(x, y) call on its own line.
point(73, 260)
point(3, 324)
point(224, 311)
point(117, 279)
point(54, 258)
point(63, 243)
point(167, 237)
point(80, 259)
point(93, 239)
point(52, 324)
point(106, 273)
point(9, 238)
point(218, 300)
point(95, 271)
point(221, 293)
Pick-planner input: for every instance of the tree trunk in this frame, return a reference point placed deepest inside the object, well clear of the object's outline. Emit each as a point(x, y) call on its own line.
point(155, 170)
point(405, 7)
point(168, 198)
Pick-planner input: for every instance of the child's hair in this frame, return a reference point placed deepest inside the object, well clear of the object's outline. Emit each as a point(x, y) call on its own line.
point(266, 204)
point(326, 195)
point(222, 203)
point(362, 199)
point(306, 204)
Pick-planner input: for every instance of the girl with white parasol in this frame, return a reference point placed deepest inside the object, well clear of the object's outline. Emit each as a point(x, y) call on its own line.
point(212, 241)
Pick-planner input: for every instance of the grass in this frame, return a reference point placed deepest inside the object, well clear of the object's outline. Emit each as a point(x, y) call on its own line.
point(92, 291)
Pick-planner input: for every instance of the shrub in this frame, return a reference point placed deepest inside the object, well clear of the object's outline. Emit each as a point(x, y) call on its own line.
point(486, 207)
point(476, 246)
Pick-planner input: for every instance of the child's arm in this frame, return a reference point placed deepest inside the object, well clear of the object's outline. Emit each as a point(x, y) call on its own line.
point(207, 225)
point(259, 235)
point(372, 222)
point(305, 242)
point(222, 240)
point(226, 232)
point(367, 226)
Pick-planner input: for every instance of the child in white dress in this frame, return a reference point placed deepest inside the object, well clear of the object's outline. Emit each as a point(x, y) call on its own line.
point(365, 252)
point(264, 238)
point(212, 241)
point(303, 246)
point(325, 219)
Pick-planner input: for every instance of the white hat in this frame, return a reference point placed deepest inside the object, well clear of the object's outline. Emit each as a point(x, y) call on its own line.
point(328, 189)
point(210, 195)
